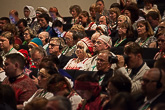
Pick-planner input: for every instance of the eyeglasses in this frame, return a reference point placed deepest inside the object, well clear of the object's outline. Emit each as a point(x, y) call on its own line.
point(67, 39)
point(42, 75)
point(36, 60)
point(147, 80)
point(53, 45)
point(161, 27)
point(161, 40)
point(25, 34)
point(101, 60)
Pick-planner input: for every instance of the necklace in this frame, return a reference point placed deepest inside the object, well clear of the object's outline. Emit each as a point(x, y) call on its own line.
point(117, 43)
point(140, 41)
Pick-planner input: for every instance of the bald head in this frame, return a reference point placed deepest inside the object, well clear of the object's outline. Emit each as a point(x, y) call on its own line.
point(95, 37)
point(153, 82)
point(44, 36)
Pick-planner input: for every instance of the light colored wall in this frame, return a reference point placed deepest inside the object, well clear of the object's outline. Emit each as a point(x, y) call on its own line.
point(62, 5)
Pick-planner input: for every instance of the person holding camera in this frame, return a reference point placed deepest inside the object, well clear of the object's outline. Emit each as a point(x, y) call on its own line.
point(136, 67)
point(104, 69)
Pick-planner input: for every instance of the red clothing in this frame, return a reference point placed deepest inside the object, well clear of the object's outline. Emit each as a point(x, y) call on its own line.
point(24, 88)
point(92, 104)
point(17, 40)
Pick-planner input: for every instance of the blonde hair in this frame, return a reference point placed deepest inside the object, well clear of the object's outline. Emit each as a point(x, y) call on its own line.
point(126, 19)
point(85, 49)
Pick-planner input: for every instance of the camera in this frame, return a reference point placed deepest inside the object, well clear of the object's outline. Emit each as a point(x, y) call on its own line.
point(114, 59)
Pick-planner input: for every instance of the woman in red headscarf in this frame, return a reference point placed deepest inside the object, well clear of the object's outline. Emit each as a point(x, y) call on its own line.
point(89, 90)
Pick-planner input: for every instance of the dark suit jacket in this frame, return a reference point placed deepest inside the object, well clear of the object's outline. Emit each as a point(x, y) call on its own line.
point(160, 99)
point(104, 83)
point(64, 60)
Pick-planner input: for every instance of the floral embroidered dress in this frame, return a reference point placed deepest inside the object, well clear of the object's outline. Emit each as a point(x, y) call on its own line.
point(73, 65)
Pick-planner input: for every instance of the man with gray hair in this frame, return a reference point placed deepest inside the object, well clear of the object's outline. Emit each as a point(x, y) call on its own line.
point(102, 43)
point(58, 103)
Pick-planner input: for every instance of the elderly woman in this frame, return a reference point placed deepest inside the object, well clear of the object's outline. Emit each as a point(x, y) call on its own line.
point(84, 48)
point(28, 35)
point(145, 34)
point(75, 10)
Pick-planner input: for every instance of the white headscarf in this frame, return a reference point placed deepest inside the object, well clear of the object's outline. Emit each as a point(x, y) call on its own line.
point(32, 11)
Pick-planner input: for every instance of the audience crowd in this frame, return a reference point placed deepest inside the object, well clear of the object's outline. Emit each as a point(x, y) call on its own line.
point(107, 59)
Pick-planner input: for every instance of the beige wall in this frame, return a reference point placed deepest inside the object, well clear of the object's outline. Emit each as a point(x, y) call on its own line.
point(62, 5)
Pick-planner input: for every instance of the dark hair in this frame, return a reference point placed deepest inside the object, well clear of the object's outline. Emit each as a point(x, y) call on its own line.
point(48, 64)
point(134, 11)
point(77, 8)
point(121, 82)
point(124, 101)
point(100, 1)
point(6, 19)
point(1, 62)
point(16, 57)
point(160, 63)
point(115, 5)
point(57, 23)
point(148, 1)
point(22, 21)
point(154, 15)
point(77, 34)
point(85, 14)
point(132, 47)
point(7, 95)
point(45, 16)
point(56, 83)
point(86, 77)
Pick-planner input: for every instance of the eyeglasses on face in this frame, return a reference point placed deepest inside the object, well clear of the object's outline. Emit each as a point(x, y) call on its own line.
point(147, 80)
point(53, 45)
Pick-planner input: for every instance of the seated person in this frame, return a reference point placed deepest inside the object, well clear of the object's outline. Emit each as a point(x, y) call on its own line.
point(116, 84)
point(161, 45)
point(83, 52)
point(136, 66)
point(59, 86)
point(89, 90)
point(35, 42)
point(145, 34)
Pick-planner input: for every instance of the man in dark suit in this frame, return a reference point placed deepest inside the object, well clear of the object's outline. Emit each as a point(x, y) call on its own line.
point(56, 46)
point(153, 83)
